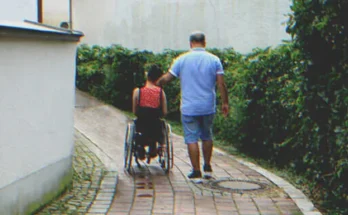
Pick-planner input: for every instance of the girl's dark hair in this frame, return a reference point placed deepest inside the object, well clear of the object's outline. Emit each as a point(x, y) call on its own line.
point(154, 73)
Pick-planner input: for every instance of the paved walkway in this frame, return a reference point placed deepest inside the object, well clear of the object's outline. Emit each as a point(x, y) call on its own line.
point(149, 191)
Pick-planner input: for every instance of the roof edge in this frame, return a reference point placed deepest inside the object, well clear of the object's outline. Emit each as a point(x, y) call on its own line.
point(71, 31)
point(30, 29)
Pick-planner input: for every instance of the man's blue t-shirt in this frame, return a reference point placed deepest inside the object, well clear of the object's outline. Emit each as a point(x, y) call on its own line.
point(197, 70)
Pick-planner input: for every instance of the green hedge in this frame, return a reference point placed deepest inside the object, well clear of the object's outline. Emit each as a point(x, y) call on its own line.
point(320, 31)
point(266, 100)
point(110, 73)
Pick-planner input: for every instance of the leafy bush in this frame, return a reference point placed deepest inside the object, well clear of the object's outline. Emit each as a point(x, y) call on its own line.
point(110, 73)
point(320, 31)
point(266, 101)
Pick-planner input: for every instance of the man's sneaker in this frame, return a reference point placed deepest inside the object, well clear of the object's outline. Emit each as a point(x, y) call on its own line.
point(195, 174)
point(207, 171)
point(207, 168)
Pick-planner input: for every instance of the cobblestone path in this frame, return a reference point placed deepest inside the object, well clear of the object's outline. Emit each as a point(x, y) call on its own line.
point(91, 182)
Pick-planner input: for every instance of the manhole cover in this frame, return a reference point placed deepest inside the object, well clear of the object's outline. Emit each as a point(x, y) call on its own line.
point(239, 185)
point(235, 185)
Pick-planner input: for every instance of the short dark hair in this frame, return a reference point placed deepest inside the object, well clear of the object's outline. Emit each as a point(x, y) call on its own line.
point(154, 73)
point(198, 37)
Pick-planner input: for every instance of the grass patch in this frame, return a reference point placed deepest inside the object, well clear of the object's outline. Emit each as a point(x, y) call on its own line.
point(129, 114)
point(176, 127)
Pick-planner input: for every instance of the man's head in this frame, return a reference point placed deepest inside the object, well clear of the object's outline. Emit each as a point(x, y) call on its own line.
point(154, 73)
point(197, 39)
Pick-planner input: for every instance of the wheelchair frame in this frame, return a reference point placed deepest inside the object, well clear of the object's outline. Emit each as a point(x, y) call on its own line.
point(165, 156)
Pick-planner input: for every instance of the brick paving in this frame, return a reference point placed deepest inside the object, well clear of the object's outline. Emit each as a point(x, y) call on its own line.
point(93, 186)
point(148, 190)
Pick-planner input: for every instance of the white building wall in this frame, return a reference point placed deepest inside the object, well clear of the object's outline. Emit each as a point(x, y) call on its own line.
point(159, 24)
point(36, 105)
point(36, 127)
point(18, 10)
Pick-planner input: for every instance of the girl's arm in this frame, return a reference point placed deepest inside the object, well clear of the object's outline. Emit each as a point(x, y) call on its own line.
point(164, 104)
point(135, 100)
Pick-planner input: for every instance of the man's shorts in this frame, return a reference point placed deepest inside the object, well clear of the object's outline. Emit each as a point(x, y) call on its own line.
point(197, 127)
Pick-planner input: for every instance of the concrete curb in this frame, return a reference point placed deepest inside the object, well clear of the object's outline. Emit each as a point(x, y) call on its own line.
point(108, 186)
point(105, 158)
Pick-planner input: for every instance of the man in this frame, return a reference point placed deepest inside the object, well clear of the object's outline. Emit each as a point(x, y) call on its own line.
point(198, 71)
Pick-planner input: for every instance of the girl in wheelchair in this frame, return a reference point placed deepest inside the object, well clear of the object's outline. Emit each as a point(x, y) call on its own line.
point(149, 105)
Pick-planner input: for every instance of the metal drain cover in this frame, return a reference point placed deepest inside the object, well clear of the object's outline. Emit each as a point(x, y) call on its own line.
point(239, 185)
point(236, 185)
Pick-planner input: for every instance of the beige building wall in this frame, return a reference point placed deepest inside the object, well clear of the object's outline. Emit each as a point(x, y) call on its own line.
point(18, 10)
point(55, 12)
point(159, 24)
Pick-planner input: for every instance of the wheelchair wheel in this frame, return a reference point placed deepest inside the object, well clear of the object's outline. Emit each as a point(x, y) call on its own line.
point(166, 160)
point(171, 149)
point(129, 146)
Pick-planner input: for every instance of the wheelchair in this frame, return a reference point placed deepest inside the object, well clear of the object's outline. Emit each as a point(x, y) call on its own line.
point(164, 152)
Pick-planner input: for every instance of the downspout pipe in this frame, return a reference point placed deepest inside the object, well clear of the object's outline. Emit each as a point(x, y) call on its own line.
point(39, 11)
point(70, 15)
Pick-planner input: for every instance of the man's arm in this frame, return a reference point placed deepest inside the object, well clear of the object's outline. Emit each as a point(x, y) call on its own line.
point(224, 95)
point(165, 79)
point(173, 72)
